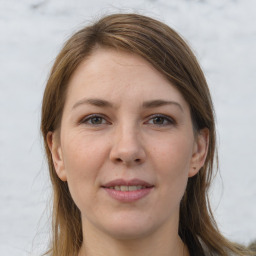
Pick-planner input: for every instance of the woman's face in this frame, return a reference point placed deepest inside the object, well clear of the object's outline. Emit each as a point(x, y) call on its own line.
point(126, 146)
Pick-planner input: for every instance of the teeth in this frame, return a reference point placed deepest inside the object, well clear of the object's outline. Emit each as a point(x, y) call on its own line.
point(124, 188)
point(132, 188)
point(127, 188)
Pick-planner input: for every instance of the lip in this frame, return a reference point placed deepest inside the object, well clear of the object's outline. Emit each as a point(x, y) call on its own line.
point(133, 182)
point(128, 196)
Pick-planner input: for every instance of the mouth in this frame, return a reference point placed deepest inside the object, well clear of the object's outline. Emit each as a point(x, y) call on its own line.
point(127, 188)
point(128, 191)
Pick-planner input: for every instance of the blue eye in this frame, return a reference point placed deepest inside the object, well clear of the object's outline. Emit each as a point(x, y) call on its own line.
point(161, 120)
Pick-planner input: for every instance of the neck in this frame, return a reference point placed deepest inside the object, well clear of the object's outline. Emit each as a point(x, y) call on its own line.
point(101, 244)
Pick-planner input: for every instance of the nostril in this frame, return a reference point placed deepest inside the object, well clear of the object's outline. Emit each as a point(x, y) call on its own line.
point(120, 160)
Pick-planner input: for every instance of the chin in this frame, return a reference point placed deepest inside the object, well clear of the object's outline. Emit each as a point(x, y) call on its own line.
point(127, 234)
point(129, 228)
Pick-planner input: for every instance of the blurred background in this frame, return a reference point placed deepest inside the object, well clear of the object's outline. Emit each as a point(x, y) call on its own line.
point(222, 34)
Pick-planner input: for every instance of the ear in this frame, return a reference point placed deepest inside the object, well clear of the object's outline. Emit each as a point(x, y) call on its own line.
point(53, 142)
point(200, 151)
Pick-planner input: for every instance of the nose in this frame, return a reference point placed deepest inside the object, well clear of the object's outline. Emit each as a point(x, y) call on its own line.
point(127, 147)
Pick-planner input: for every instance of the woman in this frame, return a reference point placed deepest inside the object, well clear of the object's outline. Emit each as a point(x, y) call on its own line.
point(129, 132)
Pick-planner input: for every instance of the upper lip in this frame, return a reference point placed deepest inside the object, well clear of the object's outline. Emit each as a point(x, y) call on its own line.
point(122, 182)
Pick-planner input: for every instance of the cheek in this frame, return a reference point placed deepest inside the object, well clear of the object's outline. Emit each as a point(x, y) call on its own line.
point(174, 154)
point(172, 163)
point(83, 158)
point(82, 155)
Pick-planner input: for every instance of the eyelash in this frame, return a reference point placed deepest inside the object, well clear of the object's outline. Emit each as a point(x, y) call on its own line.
point(89, 118)
point(169, 120)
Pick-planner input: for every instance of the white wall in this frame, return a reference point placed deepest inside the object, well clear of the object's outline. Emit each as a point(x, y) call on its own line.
point(223, 35)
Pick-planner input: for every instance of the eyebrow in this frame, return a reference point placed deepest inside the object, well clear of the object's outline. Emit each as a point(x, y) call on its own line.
point(147, 104)
point(160, 103)
point(95, 102)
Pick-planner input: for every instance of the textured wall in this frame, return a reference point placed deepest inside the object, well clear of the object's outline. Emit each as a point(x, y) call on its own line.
point(223, 35)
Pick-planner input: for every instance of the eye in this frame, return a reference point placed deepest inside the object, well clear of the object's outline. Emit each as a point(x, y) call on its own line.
point(94, 120)
point(161, 120)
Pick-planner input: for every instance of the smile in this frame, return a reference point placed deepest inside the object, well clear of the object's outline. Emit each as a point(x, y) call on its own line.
point(127, 188)
point(128, 191)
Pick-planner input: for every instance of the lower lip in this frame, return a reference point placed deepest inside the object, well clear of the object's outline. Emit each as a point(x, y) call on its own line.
point(128, 196)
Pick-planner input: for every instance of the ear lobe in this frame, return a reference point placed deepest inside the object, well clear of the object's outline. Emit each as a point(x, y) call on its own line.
point(199, 152)
point(56, 151)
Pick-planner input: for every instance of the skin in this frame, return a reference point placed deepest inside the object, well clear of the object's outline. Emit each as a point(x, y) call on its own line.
point(126, 140)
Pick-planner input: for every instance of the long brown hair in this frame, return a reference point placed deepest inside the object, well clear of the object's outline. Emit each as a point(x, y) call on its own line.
point(170, 55)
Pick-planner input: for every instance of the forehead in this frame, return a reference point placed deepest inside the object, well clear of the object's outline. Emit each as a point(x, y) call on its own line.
point(118, 75)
